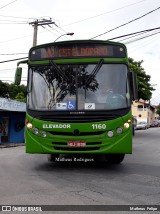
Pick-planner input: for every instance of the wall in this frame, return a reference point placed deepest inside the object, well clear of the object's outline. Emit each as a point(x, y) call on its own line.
point(16, 133)
point(12, 127)
point(147, 113)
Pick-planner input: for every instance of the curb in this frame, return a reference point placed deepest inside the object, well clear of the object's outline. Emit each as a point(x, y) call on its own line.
point(8, 145)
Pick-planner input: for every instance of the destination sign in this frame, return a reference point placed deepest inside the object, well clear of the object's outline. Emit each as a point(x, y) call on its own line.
point(77, 50)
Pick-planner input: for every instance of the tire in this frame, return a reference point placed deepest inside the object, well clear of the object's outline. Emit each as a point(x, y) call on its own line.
point(114, 158)
point(52, 157)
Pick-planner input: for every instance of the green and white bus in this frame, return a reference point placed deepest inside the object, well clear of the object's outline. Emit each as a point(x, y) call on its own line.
point(79, 96)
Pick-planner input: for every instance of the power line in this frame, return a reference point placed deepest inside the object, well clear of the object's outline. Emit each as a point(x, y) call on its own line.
point(20, 37)
point(60, 28)
point(12, 54)
point(79, 20)
point(131, 36)
point(8, 21)
point(86, 19)
point(43, 24)
point(26, 18)
point(144, 37)
point(136, 34)
point(58, 31)
point(11, 60)
point(143, 44)
point(15, 17)
point(23, 37)
point(49, 30)
point(127, 22)
point(8, 4)
point(24, 22)
point(19, 17)
point(63, 30)
point(142, 31)
point(12, 21)
point(37, 23)
point(54, 28)
point(9, 69)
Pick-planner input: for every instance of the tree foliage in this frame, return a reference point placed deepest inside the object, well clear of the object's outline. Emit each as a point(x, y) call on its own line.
point(158, 110)
point(144, 87)
point(4, 89)
point(13, 91)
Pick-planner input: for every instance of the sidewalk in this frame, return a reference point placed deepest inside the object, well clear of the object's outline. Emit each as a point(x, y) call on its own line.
point(6, 145)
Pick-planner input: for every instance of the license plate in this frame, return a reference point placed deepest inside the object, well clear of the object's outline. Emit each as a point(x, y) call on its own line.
point(76, 143)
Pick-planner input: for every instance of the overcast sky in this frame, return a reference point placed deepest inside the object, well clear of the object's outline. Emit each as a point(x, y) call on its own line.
point(87, 19)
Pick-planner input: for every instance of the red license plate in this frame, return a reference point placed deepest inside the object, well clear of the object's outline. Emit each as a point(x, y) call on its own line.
point(76, 143)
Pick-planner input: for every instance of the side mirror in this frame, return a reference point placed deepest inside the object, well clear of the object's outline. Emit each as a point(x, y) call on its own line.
point(133, 84)
point(18, 76)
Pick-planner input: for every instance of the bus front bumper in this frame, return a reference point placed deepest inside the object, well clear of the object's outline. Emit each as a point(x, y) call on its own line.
point(93, 144)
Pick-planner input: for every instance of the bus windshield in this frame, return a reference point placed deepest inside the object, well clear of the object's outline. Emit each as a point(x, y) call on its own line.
point(59, 87)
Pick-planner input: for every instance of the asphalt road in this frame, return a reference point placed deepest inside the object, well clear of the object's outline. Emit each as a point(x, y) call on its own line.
point(31, 180)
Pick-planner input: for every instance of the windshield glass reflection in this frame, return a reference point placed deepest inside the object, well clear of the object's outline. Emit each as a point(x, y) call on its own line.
point(79, 87)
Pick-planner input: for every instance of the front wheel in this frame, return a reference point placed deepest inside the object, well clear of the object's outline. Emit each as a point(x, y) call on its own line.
point(114, 158)
point(52, 157)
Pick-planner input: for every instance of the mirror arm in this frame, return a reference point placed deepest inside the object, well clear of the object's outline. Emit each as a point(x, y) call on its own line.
point(22, 62)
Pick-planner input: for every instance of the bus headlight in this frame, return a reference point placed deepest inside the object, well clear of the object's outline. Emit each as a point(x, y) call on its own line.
point(126, 125)
point(35, 131)
point(119, 130)
point(43, 134)
point(29, 125)
point(110, 134)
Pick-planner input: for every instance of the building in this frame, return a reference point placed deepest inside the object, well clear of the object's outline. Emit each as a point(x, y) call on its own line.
point(12, 121)
point(143, 111)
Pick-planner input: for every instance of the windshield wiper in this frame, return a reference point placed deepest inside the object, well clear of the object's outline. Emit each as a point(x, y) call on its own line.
point(94, 72)
point(65, 81)
point(59, 71)
point(91, 77)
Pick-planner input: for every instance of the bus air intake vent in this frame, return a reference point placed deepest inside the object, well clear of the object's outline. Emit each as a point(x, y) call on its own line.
point(72, 133)
point(76, 118)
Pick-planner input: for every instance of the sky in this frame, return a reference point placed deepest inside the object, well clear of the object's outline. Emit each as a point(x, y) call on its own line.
point(86, 19)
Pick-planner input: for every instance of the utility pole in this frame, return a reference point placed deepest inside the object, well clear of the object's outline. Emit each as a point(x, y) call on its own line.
point(35, 25)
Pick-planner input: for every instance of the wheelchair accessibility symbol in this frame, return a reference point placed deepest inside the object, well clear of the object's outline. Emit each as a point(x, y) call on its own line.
point(71, 105)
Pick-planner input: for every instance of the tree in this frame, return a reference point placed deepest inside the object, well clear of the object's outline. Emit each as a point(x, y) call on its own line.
point(20, 97)
point(144, 87)
point(158, 110)
point(13, 91)
point(4, 89)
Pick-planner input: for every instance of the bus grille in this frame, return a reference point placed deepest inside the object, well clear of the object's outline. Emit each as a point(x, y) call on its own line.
point(79, 134)
point(75, 118)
